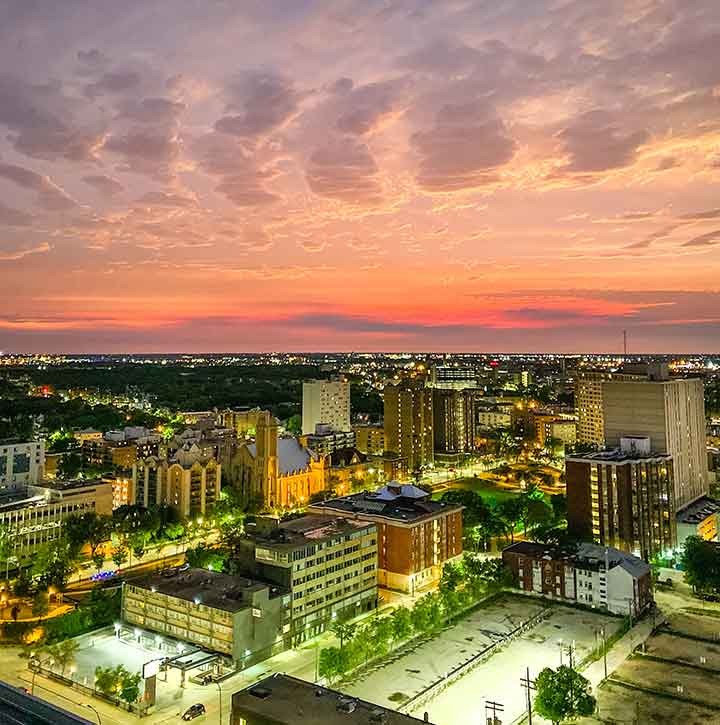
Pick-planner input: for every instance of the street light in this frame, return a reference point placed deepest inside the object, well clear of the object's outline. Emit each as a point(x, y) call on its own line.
point(220, 698)
point(97, 714)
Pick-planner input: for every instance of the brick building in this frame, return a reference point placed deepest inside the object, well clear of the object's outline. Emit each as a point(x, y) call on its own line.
point(416, 536)
point(597, 576)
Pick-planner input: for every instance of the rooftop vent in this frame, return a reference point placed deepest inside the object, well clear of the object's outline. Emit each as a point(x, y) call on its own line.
point(347, 706)
point(262, 693)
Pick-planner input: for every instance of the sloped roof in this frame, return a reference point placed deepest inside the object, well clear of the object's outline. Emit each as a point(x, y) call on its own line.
point(394, 490)
point(292, 456)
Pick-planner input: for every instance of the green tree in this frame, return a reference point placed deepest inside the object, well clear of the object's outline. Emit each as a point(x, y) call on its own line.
point(63, 653)
point(120, 555)
point(294, 424)
point(701, 561)
point(382, 629)
point(108, 680)
point(22, 586)
point(130, 687)
point(452, 577)
point(69, 466)
point(402, 623)
point(344, 631)
point(511, 512)
point(54, 562)
point(41, 604)
point(563, 694)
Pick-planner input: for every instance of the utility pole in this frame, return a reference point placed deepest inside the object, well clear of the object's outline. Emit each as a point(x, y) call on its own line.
point(604, 646)
point(529, 685)
point(491, 712)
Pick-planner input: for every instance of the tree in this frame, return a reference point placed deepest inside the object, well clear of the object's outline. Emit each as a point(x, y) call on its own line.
point(130, 687)
point(205, 557)
point(294, 424)
point(510, 513)
point(22, 587)
point(701, 561)
point(344, 631)
point(41, 604)
point(402, 623)
point(69, 466)
point(563, 694)
point(63, 653)
point(452, 576)
point(54, 562)
point(120, 555)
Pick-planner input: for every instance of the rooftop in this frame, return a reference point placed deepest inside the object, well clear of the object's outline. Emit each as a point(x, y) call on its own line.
point(399, 502)
point(211, 588)
point(305, 529)
point(18, 707)
point(292, 456)
point(698, 511)
point(616, 455)
point(287, 700)
point(588, 556)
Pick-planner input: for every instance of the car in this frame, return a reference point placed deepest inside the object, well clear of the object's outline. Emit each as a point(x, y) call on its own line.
point(194, 711)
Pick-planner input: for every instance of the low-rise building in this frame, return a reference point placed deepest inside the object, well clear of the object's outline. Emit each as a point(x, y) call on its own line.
point(34, 516)
point(598, 576)
point(416, 536)
point(700, 518)
point(284, 700)
point(22, 463)
point(245, 620)
point(492, 418)
point(349, 469)
point(329, 565)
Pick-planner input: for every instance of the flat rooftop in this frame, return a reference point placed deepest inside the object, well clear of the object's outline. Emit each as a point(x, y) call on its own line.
point(400, 508)
point(286, 700)
point(618, 456)
point(16, 707)
point(211, 588)
point(311, 528)
point(698, 511)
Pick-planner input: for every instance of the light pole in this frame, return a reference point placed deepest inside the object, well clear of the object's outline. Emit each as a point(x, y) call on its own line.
point(220, 698)
point(604, 646)
point(97, 714)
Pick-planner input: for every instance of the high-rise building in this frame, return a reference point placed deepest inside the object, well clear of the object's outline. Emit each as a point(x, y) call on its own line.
point(589, 402)
point(21, 464)
point(408, 406)
point(623, 498)
point(370, 439)
point(452, 377)
point(326, 401)
point(453, 422)
point(671, 413)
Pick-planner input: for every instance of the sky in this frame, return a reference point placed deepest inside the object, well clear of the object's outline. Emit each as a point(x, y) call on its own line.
point(419, 175)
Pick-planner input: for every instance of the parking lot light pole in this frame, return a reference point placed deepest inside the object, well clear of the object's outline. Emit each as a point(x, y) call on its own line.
point(219, 686)
point(97, 714)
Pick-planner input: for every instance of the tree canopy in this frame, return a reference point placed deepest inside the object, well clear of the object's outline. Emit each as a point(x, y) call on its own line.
point(563, 694)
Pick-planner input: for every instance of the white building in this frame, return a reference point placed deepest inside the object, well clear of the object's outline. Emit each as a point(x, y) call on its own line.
point(326, 401)
point(21, 464)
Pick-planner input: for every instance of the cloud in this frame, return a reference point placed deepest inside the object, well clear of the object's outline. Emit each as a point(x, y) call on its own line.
point(150, 151)
point(366, 106)
point(704, 240)
point(669, 162)
point(22, 253)
point(151, 110)
point(655, 236)
point(49, 195)
point(596, 142)
point(264, 100)
point(161, 198)
point(463, 150)
point(106, 185)
point(702, 215)
point(40, 120)
point(344, 169)
point(118, 81)
point(14, 217)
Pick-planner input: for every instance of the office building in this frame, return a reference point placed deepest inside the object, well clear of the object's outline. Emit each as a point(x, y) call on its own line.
point(408, 406)
point(416, 536)
point(245, 620)
point(34, 515)
point(326, 401)
point(325, 439)
point(370, 439)
point(188, 480)
point(277, 471)
point(492, 417)
point(453, 423)
point(328, 563)
point(671, 413)
point(451, 377)
point(21, 464)
point(623, 498)
point(550, 427)
point(284, 700)
point(589, 402)
point(596, 576)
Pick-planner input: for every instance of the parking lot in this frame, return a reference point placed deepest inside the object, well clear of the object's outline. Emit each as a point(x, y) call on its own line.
point(497, 679)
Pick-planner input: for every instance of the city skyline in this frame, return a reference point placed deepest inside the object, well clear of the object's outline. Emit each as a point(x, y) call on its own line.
point(399, 176)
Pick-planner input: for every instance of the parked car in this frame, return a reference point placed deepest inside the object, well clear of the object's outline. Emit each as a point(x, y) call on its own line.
point(194, 711)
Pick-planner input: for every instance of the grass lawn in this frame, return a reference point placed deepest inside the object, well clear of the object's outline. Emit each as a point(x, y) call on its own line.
point(489, 489)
